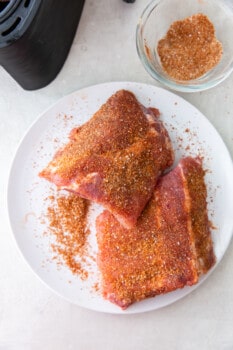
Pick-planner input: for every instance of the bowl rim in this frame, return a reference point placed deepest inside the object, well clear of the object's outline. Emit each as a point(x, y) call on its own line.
point(165, 79)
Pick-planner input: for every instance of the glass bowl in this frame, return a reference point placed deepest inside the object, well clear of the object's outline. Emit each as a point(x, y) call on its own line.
point(154, 24)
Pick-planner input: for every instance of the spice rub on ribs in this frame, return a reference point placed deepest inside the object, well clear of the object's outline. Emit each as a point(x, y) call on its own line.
point(169, 248)
point(115, 158)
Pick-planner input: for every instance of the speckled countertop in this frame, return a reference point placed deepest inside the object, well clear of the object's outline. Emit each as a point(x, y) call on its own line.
point(32, 316)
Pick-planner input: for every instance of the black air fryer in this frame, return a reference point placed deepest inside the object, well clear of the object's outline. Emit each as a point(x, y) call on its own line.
point(35, 38)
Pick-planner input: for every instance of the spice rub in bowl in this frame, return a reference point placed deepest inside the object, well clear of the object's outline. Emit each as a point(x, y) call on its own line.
point(190, 48)
point(186, 44)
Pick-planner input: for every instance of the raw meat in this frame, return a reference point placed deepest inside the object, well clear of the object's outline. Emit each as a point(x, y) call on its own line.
point(169, 248)
point(115, 158)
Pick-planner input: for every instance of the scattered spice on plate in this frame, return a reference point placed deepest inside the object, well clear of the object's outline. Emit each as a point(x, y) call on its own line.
point(67, 224)
point(190, 48)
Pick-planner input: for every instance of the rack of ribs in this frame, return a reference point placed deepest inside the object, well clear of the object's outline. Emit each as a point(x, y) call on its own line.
point(115, 158)
point(169, 248)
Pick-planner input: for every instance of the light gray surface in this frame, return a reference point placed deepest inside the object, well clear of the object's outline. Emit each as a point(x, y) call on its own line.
point(31, 316)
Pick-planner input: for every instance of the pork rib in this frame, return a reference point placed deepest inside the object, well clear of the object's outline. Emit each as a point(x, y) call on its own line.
point(169, 248)
point(115, 158)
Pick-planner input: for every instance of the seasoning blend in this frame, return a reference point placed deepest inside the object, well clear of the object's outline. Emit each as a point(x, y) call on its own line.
point(67, 218)
point(190, 48)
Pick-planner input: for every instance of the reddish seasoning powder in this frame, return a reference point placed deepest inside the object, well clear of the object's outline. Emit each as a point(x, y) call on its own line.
point(190, 48)
point(67, 217)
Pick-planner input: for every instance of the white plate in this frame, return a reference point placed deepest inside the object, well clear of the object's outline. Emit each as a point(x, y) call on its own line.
point(191, 133)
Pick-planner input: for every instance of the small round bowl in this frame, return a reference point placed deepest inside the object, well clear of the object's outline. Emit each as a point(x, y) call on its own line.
point(154, 24)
